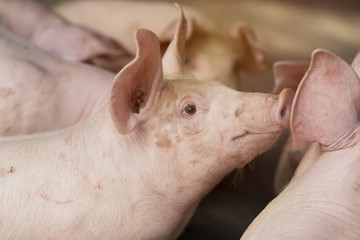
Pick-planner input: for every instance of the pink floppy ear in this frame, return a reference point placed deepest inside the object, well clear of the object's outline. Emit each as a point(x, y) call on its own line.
point(135, 86)
point(356, 64)
point(288, 74)
point(327, 103)
point(251, 53)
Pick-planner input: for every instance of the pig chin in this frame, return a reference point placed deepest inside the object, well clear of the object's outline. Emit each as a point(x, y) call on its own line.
point(250, 145)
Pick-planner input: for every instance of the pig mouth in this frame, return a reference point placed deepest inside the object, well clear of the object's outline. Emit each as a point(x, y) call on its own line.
point(248, 134)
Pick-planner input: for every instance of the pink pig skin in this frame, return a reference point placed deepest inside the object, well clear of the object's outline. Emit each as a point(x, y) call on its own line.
point(41, 92)
point(139, 166)
point(50, 31)
point(285, 75)
point(322, 200)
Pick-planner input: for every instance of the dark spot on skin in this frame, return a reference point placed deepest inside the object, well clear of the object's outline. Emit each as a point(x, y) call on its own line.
point(137, 100)
point(238, 112)
point(164, 143)
point(5, 171)
point(194, 161)
point(163, 140)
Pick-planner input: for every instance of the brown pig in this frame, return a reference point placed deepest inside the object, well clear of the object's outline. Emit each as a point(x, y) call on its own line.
point(52, 32)
point(140, 165)
point(322, 200)
point(209, 54)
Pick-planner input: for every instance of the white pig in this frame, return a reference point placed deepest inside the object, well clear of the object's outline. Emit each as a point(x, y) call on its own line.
point(52, 32)
point(289, 74)
point(139, 166)
point(41, 92)
point(322, 200)
point(210, 54)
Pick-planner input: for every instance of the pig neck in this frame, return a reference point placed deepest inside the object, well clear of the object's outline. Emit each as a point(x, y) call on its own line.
point(347, 140)
point(149, 185)
point(326, 196)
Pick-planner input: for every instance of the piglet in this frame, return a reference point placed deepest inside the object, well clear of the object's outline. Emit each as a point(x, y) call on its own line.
point(54, 33)
point(41, 92)
point(210, 54)
point(322, 200)
point(140, 165)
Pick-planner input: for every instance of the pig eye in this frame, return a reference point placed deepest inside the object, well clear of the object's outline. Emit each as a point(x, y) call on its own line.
point(190, 109)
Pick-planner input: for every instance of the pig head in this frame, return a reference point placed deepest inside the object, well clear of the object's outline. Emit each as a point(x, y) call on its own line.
point(322, 199)
point(141, 164)
point(191, 132)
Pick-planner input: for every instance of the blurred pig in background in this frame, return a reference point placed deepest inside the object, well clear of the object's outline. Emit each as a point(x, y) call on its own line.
point(42, 92)
point(54, 33)
point(210, 53)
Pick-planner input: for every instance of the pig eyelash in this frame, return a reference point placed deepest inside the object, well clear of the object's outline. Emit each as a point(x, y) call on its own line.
point(190, 109)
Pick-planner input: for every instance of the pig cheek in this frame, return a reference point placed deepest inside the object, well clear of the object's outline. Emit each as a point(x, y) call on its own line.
point(252, 145)
point(192, 125)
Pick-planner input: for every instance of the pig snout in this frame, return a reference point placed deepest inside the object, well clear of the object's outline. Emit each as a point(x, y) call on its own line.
point(283, 107)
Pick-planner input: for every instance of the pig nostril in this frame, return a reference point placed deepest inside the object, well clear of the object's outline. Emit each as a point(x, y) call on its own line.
point(283, 112)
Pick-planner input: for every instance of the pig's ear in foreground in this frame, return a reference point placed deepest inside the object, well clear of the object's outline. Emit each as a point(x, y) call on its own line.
point(288, 74)
point(135, 86)
point(327, 102)
point(252, 55)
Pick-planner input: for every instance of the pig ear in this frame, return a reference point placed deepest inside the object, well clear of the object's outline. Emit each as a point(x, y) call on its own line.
point(174, 57)
point(288, 74)
point(252, 55)
point(356, 64)
point(167, 35)
point(327, 102)
point(135, 86)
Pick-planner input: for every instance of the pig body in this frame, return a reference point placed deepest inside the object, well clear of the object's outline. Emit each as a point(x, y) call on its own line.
point(140, 165)
point(322, 199)
point(52, 32)
point(209, 54)
point(41, 92)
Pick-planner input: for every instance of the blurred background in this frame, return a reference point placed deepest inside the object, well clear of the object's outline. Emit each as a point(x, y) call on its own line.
point(288, 30)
